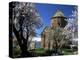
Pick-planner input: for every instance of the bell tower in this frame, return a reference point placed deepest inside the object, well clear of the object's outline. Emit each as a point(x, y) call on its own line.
point(58, 20)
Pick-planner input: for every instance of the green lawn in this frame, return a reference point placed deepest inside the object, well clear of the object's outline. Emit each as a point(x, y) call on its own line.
point(43, 52)
point(68, 51)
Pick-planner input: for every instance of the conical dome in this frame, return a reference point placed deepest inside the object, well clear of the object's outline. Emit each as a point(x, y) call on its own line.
point(58, 14)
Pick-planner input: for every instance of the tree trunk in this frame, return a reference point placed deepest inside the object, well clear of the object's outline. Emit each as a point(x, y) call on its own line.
point(23, 45)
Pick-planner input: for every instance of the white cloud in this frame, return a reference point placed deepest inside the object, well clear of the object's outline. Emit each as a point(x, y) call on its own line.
point(36, 39)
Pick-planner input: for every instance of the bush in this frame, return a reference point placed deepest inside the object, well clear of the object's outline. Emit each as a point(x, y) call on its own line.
point(67, 47)
point(16, 52)
point(48, 52)
point(75, 48)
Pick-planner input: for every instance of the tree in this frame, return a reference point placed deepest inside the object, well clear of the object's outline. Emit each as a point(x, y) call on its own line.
point(60, 38)
point(25, 20)
point(72, 25)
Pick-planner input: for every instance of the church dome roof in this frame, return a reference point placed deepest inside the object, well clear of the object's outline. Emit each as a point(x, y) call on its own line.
point(58, 14)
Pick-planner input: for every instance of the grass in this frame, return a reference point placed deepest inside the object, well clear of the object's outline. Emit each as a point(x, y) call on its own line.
point(37, 51)
point(68, 51)
point(42, 51)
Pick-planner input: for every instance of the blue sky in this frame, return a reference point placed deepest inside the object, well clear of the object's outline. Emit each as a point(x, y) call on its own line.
point(46, 11)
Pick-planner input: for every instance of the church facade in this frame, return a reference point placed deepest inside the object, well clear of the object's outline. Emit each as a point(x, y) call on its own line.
point(58, 20)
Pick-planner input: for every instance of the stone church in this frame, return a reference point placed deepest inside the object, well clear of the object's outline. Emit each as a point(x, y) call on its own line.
point(58, 20)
